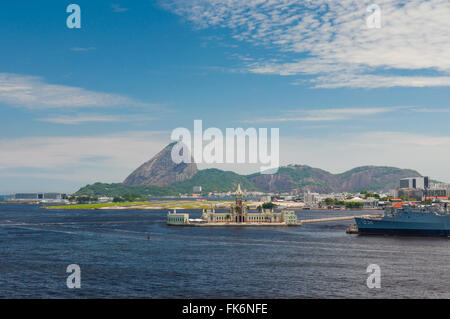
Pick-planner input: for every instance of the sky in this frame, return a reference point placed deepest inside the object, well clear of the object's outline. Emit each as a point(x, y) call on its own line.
point(91, 104)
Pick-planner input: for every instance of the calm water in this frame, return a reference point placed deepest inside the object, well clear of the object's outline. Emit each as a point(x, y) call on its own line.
point(117, 259)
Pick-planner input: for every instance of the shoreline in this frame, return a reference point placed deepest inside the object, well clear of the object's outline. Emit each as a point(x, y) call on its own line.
point(234, 225)
point(190, 206)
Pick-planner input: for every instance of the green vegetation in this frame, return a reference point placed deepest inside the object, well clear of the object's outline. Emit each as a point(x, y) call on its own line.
point(119, 189)
point(129, 198)
point(211, 180)
point(84, 199)
point(268, 205)
point(94, 206)
point(147, 205)
point(353, 205)
point(298, 176)
point(214, 180)
point(367, 194)
point(286, 179)
point(380, 173)
point(334, 202)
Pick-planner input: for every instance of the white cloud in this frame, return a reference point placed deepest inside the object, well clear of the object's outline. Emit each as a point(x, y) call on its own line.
point(80, 49)
point(376, 81)
point(321, 115)
point(329, 39)
point(339, 152)
point(117, 8)
point(80, 119)
point(427, 154)
point(94, 118)
point(434, 110)
point(77, 161)
point(34, 93)
point(110, 158)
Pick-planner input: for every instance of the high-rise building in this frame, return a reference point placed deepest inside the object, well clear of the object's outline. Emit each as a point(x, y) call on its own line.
point(415, 182)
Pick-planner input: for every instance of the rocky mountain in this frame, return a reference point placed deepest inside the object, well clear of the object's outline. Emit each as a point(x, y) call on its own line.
point(296, 178)
point(161, 175)
point(301, 178)
point(292, 178)
point(373, 178)
point(161, 170)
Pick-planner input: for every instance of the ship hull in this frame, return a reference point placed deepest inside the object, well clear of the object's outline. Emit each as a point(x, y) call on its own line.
point(404, 232)
point(406, 225)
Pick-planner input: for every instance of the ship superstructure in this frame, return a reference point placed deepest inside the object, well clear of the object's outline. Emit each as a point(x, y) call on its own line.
point(431, 220)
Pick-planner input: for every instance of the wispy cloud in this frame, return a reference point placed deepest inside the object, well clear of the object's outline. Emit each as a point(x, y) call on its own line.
point(34, 93)
point(94, 118)
point(425, 153)
point(80, 49)
point(117, 8)
point(432, 110)
point(325, 115)
point(82, 159)
point(329, 40)
point(88, 159)
point(378, 81)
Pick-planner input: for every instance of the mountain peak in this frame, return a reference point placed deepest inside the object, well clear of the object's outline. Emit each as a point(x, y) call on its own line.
point(161, 170)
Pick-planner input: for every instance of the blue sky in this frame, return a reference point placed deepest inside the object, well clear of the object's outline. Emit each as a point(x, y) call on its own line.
point(91, 104)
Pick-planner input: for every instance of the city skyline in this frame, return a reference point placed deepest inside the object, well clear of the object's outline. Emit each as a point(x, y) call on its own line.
point(91, 104)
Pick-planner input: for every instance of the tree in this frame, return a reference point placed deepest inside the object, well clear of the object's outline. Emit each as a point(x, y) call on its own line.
point(86, 199)
point(268, 205)
point(118, 199)
point(353, 205)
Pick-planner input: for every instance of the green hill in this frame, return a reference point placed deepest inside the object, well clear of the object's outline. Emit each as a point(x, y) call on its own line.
point(119, 189)
point(214, 180)
point(292, 178)
point(211, 180)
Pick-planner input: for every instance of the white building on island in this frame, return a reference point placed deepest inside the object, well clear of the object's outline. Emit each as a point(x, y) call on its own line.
point(238, 215)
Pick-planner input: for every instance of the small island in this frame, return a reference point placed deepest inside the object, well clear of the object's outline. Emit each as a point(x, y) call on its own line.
point(238, 215)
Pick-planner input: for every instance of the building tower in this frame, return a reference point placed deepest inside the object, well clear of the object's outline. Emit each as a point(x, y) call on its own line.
point(239, 196)
point(239, 207)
